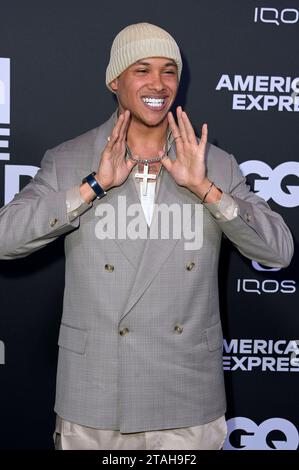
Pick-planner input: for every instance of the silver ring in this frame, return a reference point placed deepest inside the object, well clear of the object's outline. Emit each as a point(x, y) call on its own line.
point(108, 138)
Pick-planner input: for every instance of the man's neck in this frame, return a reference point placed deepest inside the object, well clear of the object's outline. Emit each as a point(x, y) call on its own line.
point(143, 139)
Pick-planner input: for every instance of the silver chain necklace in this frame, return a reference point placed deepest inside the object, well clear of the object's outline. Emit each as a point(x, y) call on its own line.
point(147, 161)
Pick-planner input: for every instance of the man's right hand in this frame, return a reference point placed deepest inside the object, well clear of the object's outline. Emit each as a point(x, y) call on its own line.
point(113, 168)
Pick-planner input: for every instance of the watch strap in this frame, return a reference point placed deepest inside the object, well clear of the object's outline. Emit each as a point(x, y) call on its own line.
point(93, 183)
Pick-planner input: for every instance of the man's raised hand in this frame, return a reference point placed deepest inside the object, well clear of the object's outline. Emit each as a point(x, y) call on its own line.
point(114, 168)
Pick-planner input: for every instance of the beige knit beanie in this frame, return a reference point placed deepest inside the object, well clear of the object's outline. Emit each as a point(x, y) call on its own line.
point(138, 41)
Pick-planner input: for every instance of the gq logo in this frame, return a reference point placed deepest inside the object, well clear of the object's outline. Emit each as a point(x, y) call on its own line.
point(260, 267)
point(271, 183)
point(272, 434)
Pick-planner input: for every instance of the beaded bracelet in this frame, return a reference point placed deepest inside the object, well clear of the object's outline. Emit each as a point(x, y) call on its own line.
point(211, 185)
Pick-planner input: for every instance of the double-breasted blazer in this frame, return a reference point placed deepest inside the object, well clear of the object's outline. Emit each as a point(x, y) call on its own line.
point(140, 343)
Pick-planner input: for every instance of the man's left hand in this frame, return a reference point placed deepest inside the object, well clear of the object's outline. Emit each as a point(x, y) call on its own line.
point(189, 169)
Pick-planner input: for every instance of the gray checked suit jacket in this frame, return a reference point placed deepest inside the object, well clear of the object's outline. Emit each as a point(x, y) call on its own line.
point(140, 343)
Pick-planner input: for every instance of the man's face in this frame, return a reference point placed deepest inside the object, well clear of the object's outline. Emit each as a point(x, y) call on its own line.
point(148, 89)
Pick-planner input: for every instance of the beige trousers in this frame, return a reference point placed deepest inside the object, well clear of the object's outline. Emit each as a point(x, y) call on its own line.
point(71, 436)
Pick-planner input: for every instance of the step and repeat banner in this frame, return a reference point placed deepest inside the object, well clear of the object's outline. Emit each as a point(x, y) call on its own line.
point(240, 75)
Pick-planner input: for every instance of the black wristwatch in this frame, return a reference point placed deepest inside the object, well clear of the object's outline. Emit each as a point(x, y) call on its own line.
point(90, 179)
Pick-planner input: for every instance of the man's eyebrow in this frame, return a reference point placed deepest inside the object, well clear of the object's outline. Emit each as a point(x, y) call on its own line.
point(167, 64)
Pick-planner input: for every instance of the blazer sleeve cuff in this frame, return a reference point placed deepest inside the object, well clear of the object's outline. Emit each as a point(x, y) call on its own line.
point(75, 205)
point(225, 209)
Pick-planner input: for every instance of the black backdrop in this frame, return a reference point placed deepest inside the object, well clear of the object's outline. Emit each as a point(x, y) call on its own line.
point(57, 53)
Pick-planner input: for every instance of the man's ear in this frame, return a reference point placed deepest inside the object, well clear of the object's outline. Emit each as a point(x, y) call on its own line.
point(114, 84)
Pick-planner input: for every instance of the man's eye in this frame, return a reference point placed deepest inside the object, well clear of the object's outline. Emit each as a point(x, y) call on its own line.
point(166, 71)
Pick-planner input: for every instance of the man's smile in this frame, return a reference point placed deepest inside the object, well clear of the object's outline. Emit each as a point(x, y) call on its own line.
point(155, 104)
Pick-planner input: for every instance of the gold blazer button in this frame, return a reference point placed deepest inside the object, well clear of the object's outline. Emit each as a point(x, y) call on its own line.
point(124, 331)
point(109, 267)
point(178, 329)
point(53, 222)
point(190, 266)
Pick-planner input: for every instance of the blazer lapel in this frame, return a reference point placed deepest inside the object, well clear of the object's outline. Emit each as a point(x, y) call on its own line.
point(120, 198)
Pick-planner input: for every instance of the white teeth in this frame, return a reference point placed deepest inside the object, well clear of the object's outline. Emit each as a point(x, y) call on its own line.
point(155, 102)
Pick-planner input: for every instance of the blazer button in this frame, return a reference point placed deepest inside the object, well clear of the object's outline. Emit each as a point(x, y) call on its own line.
point(124, 331)
point(53, 222)
point(178, 329)
point(190, 266)
point(109, 267)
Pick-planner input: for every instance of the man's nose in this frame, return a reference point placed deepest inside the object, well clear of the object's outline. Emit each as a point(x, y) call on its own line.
point(156, 81)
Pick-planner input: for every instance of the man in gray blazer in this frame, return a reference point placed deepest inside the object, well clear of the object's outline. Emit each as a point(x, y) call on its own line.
point(140, 343)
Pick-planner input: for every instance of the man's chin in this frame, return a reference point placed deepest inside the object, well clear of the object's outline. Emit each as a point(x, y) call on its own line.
point(153, 121)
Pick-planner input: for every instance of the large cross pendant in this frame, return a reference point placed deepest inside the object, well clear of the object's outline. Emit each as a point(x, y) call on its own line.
point(145, 176)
